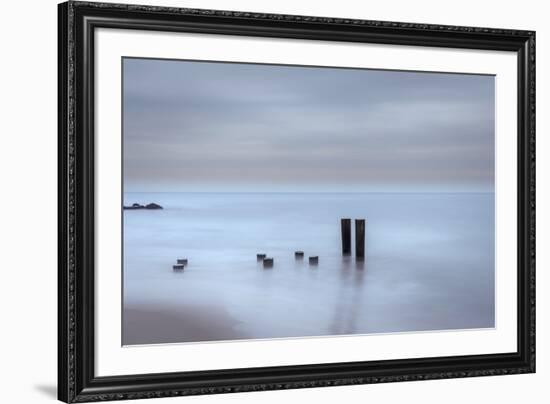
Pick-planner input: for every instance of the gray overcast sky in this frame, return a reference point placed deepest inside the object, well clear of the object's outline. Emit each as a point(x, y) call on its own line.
point(192, 126)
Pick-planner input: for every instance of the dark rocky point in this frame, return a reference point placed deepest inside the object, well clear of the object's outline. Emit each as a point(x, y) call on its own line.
point(136, 206)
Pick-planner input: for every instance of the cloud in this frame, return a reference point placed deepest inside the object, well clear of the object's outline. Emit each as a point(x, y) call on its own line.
point(196, 125)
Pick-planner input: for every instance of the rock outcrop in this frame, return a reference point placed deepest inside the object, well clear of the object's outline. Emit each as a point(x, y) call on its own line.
point(136, 206)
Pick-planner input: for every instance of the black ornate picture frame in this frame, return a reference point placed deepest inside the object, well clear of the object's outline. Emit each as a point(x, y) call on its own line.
point(78, 21)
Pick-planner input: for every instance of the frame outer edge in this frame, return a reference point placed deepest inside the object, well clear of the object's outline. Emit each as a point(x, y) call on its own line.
point(273, 17)
point(62, 368)
point(531, 100)
point(67, 179)
point(71, 94)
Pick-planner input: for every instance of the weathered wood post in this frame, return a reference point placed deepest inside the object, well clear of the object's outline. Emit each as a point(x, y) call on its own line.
point(360, 239)
point(182, 261)
point(346, 236)
point(260, 257)
point(178, 267)
point(268, 262)
point(314, 260)
point(299, 255)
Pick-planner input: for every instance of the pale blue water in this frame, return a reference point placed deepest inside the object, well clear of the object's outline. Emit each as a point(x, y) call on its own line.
point(429, 265)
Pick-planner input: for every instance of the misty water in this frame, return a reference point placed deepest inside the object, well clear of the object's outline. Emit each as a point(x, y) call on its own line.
point(429, 265)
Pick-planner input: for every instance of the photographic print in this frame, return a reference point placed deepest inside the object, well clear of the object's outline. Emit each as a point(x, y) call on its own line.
point(279, 201)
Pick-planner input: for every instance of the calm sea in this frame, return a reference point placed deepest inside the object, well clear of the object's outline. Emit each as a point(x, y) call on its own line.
point(429, 265)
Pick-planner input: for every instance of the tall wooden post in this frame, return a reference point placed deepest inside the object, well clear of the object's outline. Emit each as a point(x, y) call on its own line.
point(360, 239)
point(346, 236)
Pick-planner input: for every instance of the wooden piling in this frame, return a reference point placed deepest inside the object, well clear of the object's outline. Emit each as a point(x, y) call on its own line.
point(178, 267)
point(182, 261)
point(299, 255)
point(313, 260)
point(346, 236)
point(260, 257)
point(360, 239)
point(268, 262)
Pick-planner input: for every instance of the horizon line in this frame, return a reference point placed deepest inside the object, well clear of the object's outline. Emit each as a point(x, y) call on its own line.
point(309, 192)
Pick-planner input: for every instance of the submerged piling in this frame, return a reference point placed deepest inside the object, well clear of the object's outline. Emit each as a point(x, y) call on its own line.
point(268, 262)
point(182, 261)
point(260, 257)
point(313, 260)
point(360, 239)
point(299, 255)
point(346, 236)
point(178, 267)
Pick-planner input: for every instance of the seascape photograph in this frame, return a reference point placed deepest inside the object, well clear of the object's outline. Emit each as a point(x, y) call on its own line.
point(280, 201)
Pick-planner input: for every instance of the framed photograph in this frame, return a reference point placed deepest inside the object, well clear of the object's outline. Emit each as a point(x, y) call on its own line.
point(257, 201)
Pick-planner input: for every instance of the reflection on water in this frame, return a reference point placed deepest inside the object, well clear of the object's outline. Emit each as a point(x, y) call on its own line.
point(351, 283)
point(429, 265)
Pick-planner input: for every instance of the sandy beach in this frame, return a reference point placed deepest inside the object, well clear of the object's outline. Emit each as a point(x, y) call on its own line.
point(146, 325)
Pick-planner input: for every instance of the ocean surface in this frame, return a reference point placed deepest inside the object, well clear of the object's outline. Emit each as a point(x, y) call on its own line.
point(429, 265)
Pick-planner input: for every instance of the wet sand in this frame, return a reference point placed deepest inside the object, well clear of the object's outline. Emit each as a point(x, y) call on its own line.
point(157, 325)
